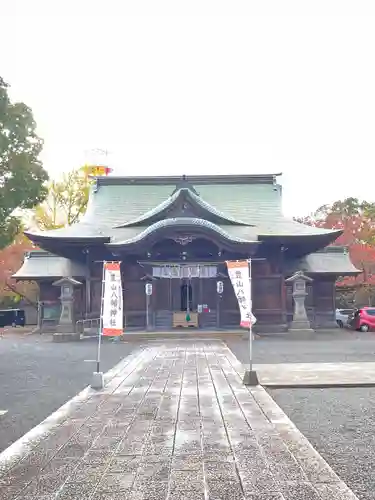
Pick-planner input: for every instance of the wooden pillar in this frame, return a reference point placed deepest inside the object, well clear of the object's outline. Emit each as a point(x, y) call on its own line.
point(88, 284)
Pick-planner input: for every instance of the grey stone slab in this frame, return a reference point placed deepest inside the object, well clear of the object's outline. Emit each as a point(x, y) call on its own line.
point(162, 430)
point(110, 495)
point(46, 484)
point(299, 491)
point(183, 477)
point(106, 443)
point(314, 466)
point(123, 463)
point(149, 490)
point(186, 495)
point(264, 496)
point(117, 481)
point(154, 471)
point(73, 450)
point(83, 471)
point(187, 462)
point(212, 446)
point(187, 442)
point(159, 446)
point(131, 447)
point(181, 481)
point(334, 492)
point(96, 457)
point(220, 471)
point(10, 490)
point(225, 490)
point(317, 374)
point(76, 491)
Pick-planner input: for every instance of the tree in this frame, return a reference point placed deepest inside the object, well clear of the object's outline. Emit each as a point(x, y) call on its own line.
point(22, 177)
point(66, 201)
point(357, 221)
point(11, 259)
point(354, 217)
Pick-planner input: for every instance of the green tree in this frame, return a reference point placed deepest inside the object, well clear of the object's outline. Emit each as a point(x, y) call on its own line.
point(66, 201)
point(22, 177)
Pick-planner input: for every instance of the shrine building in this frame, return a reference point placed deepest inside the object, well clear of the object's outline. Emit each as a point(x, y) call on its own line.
point(176, 233)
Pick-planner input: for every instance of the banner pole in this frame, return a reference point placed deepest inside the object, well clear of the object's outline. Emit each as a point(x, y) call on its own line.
point(250, 376)
point(101, 320)
point(251, 321)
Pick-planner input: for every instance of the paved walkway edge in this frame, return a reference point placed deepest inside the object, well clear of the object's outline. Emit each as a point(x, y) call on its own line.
point(16, 451)
point(316, 468)
point(316, 375)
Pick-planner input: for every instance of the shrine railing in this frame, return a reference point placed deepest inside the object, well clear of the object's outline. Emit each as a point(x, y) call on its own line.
point(88, 326)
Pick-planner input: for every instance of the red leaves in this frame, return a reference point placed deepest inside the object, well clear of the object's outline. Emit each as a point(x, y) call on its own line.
point(357, 221)
point(363, 257)
point(11, 259)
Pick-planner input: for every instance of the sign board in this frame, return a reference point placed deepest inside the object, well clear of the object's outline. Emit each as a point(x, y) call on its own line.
point(112, 309)
point(179, 271)
point(148, 288)
point(239, 274)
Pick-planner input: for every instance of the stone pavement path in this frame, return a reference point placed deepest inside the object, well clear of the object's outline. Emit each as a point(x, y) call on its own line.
point(174, 422)
point(347, 374)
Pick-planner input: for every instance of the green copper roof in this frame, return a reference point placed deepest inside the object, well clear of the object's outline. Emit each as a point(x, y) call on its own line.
point(240, 200)
point(332, 260)
point(183, 194)
point(40, 264)
point(129, 235)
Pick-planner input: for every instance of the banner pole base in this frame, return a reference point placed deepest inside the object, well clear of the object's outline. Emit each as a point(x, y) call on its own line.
point(250, 378)
point(97, 381)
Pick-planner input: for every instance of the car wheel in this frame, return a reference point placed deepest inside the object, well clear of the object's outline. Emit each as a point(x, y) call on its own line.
point(340, 323)
point(364, 328)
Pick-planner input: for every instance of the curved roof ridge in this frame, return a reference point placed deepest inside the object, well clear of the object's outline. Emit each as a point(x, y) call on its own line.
point(181, 221)
point(172, 199)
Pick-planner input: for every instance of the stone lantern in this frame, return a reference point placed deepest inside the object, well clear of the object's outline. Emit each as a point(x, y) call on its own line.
point(65, 330)
point(300, 320)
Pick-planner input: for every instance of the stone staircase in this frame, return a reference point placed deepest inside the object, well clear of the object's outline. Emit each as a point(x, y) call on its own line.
point(163, 320)
point(208, 320)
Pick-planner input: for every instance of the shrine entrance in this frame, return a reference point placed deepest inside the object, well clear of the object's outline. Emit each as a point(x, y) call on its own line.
point(186, 297)
point(186, 293)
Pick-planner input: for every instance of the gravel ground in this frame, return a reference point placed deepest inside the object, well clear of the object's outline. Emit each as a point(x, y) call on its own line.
point(38, 376)
point(331, 346)
point(340, 424)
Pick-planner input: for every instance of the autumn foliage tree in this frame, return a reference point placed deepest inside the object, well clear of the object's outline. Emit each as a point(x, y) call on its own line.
point(356, 219)
point(11, 259)
point(65, 203)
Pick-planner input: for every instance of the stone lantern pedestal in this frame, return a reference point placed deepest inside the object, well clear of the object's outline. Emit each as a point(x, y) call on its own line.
point(300, 322)
point(65, 330)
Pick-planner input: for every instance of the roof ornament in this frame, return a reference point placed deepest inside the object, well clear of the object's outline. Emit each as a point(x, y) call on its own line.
point(184, 184)
point(183, 240)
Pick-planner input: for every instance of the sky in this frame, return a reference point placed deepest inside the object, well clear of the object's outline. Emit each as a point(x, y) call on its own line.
point(212, 87)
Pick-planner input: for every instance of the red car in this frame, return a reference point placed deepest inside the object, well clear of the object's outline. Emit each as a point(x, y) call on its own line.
point(363, 319)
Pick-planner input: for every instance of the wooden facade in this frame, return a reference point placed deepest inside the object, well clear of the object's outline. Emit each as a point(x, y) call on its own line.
point(180, 244)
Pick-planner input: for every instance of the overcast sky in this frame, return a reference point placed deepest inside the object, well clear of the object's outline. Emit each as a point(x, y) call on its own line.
point(203, 87)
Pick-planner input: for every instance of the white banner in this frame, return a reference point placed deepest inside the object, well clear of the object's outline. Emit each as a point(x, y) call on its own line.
point(112, 310)
point(239, 274)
